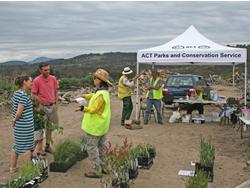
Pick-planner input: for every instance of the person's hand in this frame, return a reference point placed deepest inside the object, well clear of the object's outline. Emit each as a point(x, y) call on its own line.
point(13, 121)
point(150, 87)
point(78, 96)
point(78, 108)
point(137, 76)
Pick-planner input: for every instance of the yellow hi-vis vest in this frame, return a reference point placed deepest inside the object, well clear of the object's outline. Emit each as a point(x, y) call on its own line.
point(200, 96)
point(95, 124)
point(157, 94)
point(123, 91)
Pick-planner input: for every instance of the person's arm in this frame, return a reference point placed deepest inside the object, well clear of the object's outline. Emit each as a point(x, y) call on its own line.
point(126, 82)
point(56, 95)
point(136, 76)
point(18, 114)
point(99, 103)
point(86, 96)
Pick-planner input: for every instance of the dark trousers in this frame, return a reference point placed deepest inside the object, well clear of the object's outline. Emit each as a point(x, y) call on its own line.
point(127, 108)
point(197, 106)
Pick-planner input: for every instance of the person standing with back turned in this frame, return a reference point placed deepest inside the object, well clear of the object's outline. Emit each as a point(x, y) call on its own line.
point(45, 87)
point(124, 93)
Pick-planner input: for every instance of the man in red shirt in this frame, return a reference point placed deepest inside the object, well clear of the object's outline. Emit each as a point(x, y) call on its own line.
point(45, 87)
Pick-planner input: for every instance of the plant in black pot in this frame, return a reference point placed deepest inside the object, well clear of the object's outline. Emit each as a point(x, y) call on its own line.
point(65, 156)
point(151, 149)
point(207, 157)
point(144, 160)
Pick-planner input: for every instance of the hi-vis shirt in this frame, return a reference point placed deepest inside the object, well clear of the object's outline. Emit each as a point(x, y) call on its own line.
point(124, 87)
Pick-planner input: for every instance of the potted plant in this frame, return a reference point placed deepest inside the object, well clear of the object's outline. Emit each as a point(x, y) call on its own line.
point(65, 156)
point(118, 165)
point(198, 181)
point(207, 157)
point(151, 149)
point(133, 164)
point(143, 156)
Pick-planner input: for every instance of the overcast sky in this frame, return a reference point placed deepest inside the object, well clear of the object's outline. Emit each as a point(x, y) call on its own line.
point(67, 29)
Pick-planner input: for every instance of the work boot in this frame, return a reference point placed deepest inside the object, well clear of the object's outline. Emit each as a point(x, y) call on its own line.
point(49, 150)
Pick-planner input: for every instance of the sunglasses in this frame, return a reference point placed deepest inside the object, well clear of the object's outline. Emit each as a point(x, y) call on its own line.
point(96, 78)
point(43, 65)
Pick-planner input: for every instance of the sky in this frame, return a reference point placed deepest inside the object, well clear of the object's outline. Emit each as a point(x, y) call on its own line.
point(65, 29)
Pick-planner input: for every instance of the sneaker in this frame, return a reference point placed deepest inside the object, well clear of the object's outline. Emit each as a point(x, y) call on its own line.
point(145, 123)
point(160, 122)
point(49, 150)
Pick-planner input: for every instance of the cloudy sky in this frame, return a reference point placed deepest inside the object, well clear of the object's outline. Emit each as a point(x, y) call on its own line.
point(67, 29)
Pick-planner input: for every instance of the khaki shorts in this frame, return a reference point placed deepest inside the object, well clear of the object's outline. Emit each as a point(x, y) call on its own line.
point(51, 114)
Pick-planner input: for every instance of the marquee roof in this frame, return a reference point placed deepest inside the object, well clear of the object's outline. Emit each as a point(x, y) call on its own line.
point(191, 47)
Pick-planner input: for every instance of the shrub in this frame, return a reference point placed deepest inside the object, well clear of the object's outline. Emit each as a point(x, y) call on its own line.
point(198, 181)
point(65, 83)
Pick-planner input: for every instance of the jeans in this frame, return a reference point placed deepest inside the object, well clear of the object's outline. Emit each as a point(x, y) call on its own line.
point(127, 108)
point(157, 104)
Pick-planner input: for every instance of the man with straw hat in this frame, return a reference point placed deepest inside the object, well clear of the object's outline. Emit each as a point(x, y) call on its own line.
point(124, 93)
point(197, 93)
point(154, 96)
point(96, 123)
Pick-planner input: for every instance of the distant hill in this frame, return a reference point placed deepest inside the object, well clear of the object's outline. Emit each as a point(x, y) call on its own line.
point(40, 59)
point(37, 60)
point(13, 63)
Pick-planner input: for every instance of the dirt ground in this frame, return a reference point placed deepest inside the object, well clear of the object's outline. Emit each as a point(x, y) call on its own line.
point(177, 144)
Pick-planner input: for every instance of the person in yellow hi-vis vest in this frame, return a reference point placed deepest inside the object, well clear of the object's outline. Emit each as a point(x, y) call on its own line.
point(154, 96)
point(124, 93)
point(96, 123)
point(198, 92)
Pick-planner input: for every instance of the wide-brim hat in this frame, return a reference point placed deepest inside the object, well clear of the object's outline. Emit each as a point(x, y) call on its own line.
point(102, 75)
point(127, 70)
point(199, 88)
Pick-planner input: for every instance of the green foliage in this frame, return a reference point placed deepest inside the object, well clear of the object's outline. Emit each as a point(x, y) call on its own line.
point(67, 151)
point(140, 151)
point(7, 85)
point(87, 79)
point(52, 126)
point(65, 83)
point(74, 80)
point(207, 151)
point(150, 146)
point(198, 181)
point(27, 173)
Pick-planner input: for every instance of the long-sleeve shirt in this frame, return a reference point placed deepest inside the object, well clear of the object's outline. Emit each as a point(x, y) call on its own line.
point(97, 107)
point(126, 82)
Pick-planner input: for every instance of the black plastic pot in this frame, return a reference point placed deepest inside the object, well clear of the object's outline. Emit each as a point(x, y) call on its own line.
point(61, 167)
point(145, 162)
point(208, 170)
point(133, 174)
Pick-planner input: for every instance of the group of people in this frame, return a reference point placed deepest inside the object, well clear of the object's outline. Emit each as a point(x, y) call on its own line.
point(28, 114)
point(96, 120)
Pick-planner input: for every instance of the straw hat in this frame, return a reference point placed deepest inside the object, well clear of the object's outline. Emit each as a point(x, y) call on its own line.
point(103, 75)
point(127, 70)
point(199, 88)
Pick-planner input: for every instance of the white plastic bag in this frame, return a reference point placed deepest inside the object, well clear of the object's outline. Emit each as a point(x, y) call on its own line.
point(175, 116)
